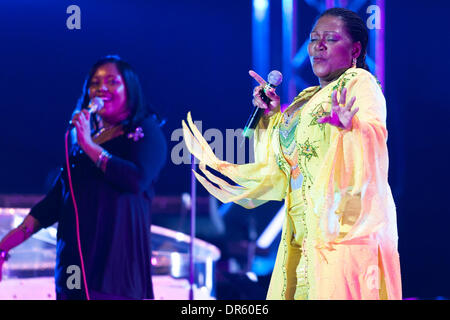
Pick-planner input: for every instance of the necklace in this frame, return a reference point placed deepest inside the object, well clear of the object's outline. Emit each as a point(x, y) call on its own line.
point(105, 134)
point(96, 135)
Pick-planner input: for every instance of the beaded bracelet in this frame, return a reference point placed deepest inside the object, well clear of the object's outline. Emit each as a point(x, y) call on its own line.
point(102, 159)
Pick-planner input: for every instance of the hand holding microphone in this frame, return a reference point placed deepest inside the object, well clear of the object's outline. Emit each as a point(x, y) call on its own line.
point(81, 121)
point(265, 100)
point(93, 107)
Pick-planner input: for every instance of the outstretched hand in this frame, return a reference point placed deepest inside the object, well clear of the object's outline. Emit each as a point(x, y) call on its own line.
point(341, 114)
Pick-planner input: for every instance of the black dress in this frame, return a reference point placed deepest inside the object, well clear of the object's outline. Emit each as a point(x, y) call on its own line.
point(114, 216)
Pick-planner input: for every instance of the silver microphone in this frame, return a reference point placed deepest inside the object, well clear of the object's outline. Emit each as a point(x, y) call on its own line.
point(94, 106)
point(274, 79)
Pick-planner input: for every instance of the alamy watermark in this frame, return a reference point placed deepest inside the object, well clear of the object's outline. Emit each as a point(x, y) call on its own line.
point(74, 279)
point(74, 20)
point(374, 20)
point(232, 147)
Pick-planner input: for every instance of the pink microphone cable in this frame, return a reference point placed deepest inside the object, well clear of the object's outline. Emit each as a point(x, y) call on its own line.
point(76, 215)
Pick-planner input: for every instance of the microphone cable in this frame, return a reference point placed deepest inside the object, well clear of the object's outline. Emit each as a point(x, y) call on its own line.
point(77, 224)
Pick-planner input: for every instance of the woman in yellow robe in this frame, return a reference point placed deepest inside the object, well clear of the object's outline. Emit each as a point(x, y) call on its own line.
point(329, 163)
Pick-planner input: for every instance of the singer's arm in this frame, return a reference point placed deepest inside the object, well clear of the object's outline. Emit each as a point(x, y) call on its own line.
point(93, 151)
point(18, 235)
point(45, 213)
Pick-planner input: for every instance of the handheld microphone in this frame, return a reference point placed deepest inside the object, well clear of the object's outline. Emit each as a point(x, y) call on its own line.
point(94, 106)
point(273, 80)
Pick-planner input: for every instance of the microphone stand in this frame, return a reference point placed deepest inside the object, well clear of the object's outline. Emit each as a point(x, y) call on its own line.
point(251, 245)
point(191, 244)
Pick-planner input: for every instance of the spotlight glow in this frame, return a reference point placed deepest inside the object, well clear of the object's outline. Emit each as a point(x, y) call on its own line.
point(260, 7)
point(175, 268)
point(272, 230)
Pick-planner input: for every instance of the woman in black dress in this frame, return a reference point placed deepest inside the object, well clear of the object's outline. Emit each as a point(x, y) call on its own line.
point(103, 205)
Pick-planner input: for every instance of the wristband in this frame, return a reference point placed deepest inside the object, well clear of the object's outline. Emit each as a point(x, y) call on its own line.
point(102, 158)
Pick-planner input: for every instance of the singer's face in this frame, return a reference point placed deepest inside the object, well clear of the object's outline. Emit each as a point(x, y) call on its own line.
point(331, 48)
point(107, 83)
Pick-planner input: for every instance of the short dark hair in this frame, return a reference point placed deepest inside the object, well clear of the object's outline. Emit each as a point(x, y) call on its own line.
point(137, 105)
point(355, 27)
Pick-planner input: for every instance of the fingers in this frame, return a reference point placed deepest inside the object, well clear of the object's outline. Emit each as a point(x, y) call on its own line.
point(274, 104)
point(340, 113)
point(258, 102)
point(350, 104)
point(75, 120)
point(257, 77)
point(353, 112)
point(82, 115)
point(342, 97)
point(334, 101)
point(257, 90)
point(342, 100)
point(272, 95)
point(86, 114)
point(81, 119)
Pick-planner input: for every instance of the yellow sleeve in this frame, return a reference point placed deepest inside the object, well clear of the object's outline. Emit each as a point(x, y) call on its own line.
point(257, 182)
point(351, 194)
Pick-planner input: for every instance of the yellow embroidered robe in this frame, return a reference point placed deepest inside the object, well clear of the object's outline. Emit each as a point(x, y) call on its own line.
point(351, 238)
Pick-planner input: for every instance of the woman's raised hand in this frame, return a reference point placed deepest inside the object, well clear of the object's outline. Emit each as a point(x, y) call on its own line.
point(270, 93)
point(341, 114)
point(84, 139)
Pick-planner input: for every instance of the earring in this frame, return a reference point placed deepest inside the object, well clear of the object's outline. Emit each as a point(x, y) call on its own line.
point(354, 63)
